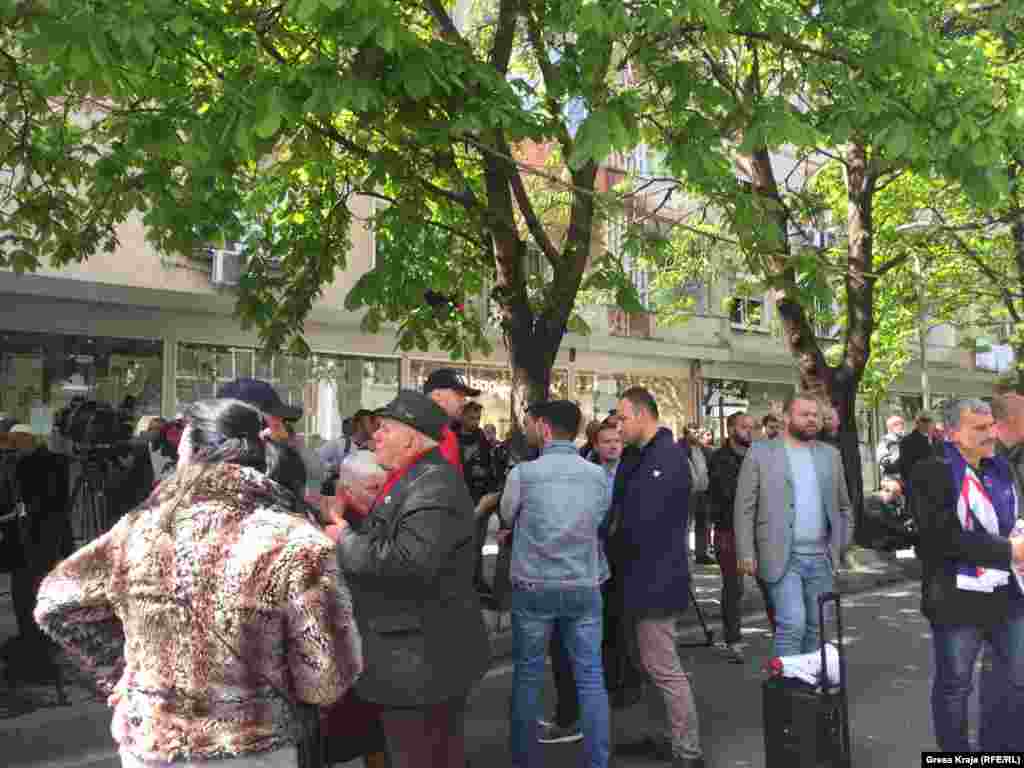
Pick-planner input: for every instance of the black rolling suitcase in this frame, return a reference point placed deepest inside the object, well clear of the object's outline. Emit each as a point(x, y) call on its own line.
point(808, 726)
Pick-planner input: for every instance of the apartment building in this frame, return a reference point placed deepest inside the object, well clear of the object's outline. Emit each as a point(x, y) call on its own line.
point(161, 328)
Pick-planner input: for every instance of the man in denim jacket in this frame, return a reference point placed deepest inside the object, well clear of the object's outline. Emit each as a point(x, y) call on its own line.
point(557, 504)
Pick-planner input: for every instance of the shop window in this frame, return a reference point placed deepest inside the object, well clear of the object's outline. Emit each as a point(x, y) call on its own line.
point(328, 388)
point(40, 374)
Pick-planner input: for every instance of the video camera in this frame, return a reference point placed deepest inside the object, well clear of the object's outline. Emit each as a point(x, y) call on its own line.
point(95, 428)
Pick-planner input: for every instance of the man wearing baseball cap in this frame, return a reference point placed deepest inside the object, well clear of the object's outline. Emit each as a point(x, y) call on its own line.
point(410, 569)
point(265, 397)
point(446, 388)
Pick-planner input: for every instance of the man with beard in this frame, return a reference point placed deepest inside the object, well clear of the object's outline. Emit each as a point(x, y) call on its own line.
point(478, 466)
point(792, 521)
point(724, 473)
point(446, 388)
point(770, 426)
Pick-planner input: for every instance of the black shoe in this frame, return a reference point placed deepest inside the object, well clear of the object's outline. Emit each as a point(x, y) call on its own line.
point(646, 747)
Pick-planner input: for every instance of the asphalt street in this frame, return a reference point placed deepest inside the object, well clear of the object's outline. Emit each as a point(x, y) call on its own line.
point(888, 659)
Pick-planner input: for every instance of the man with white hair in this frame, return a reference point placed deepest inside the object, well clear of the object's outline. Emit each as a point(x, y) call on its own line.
point(966, 505)
point(410, 569)
point(888, 451)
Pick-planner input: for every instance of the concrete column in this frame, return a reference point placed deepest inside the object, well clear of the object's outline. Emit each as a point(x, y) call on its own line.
point(168, 395)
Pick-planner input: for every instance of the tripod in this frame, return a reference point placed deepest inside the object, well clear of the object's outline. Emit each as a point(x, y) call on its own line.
point(709, 634)
point(89, 498)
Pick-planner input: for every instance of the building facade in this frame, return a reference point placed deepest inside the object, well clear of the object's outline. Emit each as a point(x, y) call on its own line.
point(162, 329)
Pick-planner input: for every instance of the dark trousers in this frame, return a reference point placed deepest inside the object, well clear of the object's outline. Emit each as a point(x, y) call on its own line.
point(701, 524)
point(767, 597)
point(481, 539)
point(427, 737)
point(732, 584)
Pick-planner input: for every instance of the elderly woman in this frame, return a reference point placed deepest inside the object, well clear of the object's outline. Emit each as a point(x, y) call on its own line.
point(410, 566)
point(212, 609)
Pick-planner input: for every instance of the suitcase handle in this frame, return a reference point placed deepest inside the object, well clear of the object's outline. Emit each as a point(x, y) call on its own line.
point(823, 600)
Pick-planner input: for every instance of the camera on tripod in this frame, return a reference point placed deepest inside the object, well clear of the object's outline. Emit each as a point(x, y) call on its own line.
point(101, 436)
point(91, 424)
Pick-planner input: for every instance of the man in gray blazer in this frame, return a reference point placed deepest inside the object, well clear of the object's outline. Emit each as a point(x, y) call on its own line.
point(793, 522)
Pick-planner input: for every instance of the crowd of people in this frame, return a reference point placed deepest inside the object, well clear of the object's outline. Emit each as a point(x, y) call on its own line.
point(233, 616)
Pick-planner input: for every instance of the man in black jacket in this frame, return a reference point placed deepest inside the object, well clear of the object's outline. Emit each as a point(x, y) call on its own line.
point(410, 570)
point(478, 469)
point(724, 475)
point(966, 506)
point(648, 540)
point(915, 446)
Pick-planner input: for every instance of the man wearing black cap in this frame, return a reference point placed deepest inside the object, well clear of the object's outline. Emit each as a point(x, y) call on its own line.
point(446, 388)
point(410, 569)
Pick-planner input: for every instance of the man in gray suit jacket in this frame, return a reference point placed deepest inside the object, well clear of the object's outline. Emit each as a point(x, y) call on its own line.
point(793, 522)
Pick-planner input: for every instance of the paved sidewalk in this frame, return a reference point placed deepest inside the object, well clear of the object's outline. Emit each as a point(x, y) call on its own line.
point(35, 730)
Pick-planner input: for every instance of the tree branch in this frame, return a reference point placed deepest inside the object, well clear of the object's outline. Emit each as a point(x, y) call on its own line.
point(448, 28)
point(505, 35)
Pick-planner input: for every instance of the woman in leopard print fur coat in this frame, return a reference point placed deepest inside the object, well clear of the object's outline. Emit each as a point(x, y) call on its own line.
point(211, 608)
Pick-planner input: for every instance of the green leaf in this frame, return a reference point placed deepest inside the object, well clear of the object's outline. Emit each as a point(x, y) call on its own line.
point(269, 124)
point(416, 82)
point(181, 25)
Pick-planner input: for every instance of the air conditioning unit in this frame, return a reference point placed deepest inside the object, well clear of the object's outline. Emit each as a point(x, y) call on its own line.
point(226, 268)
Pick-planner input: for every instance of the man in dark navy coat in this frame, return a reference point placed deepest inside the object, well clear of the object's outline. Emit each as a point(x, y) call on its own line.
point(648, 532)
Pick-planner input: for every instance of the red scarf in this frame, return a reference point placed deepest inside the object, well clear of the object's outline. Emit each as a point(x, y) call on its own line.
point(450, 448)
point(397, 474)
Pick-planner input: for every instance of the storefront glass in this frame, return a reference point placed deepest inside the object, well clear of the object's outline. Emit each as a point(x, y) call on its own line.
point(328, 388)
point(41, 372)
point(598, 394)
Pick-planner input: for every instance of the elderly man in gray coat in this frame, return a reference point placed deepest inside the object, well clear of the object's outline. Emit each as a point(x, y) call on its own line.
point(793, 522)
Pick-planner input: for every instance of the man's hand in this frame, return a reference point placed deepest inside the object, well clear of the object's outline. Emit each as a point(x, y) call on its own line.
point(487, 504)
point(335, 532)
point(1017, 548)
point(748, 567)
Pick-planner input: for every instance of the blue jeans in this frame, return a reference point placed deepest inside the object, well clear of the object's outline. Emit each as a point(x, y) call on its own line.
point(578, 615)
point(795, 600)
point(1002, 697)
